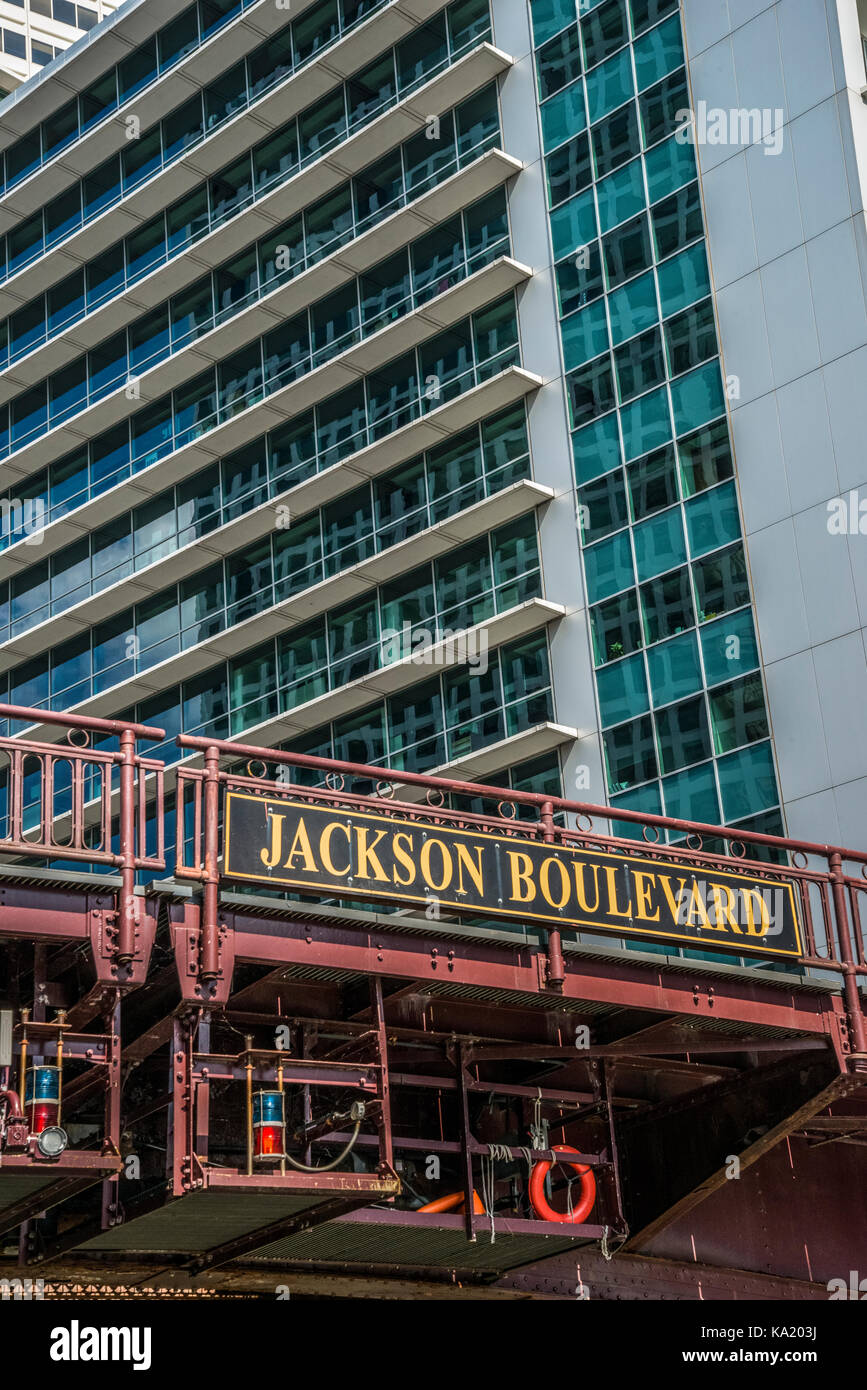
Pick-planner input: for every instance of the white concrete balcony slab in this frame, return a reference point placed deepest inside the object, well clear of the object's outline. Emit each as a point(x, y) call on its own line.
point(449, 419)
point(321, 176)
point(350, 583)
point(362, 358)
point(490, 171)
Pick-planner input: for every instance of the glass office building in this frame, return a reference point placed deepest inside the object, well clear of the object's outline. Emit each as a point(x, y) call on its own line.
point(368, 390)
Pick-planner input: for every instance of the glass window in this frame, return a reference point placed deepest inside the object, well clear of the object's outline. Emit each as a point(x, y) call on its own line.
point(698, 397)
point(60, 129)
point(677, 221)
point(659, 106)
point(748, 781)
point(62, 215)
point(712, 520)
point(183, 127)
point(683, 280)
point(421, 52)
point(371, 91)
point(573, 224)
point(729, 647)
point(615, 140)
point(608, 566)
point(584, 335)
point(705, 458)
point(579, 279)
point(667, 605)
point(659, 544)
point(187, 220)
point(721, 583)
point(640, 364)
point(646, 423)
point(658, 53)
point(138, 69)
point(98, 100)
point(178, 38)
point(627, 251)
point(691, 338)
point(675, 669)
point(692, 795)
point(616, 628)
point(569, 170)
point(562, 116)
point(621, 195)
point(596, 448)
point(549, 16)
point(240, 381)
point(602, 506)
point(647, 12)
point(622, 688)
point(604, 30)
point(424, 159)
point(683, 734)
point(652, 483)
point(633, 308)
point(315, 29)
point(225, 95)
point(274, 158)
point(630, 754)
point(738, 714)
point(558, 62)
point(321, 126)
point(609, 86)
point(668, 166)
point(591, 390)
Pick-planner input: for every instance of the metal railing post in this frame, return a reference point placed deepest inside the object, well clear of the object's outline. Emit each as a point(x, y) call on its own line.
point(556, 975)
point(127, 913)
point(210, 961)
point(847, 957)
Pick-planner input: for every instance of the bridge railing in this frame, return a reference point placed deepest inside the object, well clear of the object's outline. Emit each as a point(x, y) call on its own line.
point(825, 877)
point(72, 801)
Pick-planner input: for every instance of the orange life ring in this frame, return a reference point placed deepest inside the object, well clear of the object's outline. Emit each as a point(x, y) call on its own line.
point(454, 1202)
point(540, 1204)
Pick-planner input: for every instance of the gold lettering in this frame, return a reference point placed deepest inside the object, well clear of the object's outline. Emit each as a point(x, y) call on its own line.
point(366, 853)
point(698, 908)
point(427, 871)
point(579, 870)
point(613, 909)
point(724, 911)
point(764, 915)
point(473, 869)
point(673, 903)
point(301, 846)
point(521, 877)
point(270, 855)
point(643, 884)
point(325, 848)
point(545, 881)
point(403, 857)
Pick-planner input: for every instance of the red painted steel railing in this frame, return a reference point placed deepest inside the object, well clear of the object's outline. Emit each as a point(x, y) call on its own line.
point(64, 798)
point(830, 897)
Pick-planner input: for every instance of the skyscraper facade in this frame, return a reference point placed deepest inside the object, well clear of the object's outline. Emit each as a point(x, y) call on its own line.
point(387, 380)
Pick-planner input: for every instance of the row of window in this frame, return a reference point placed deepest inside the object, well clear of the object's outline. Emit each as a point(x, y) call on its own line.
point(467, 354)
point(605, 24)
point(63, 12)
point(168, 47)
point(380, 513)
point(400, 619)
point(352, 105)
point(396, 287)
point(402, 175)
point(444, 717)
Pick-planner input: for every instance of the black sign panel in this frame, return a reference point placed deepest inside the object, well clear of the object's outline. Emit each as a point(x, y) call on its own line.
point(320, 849)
